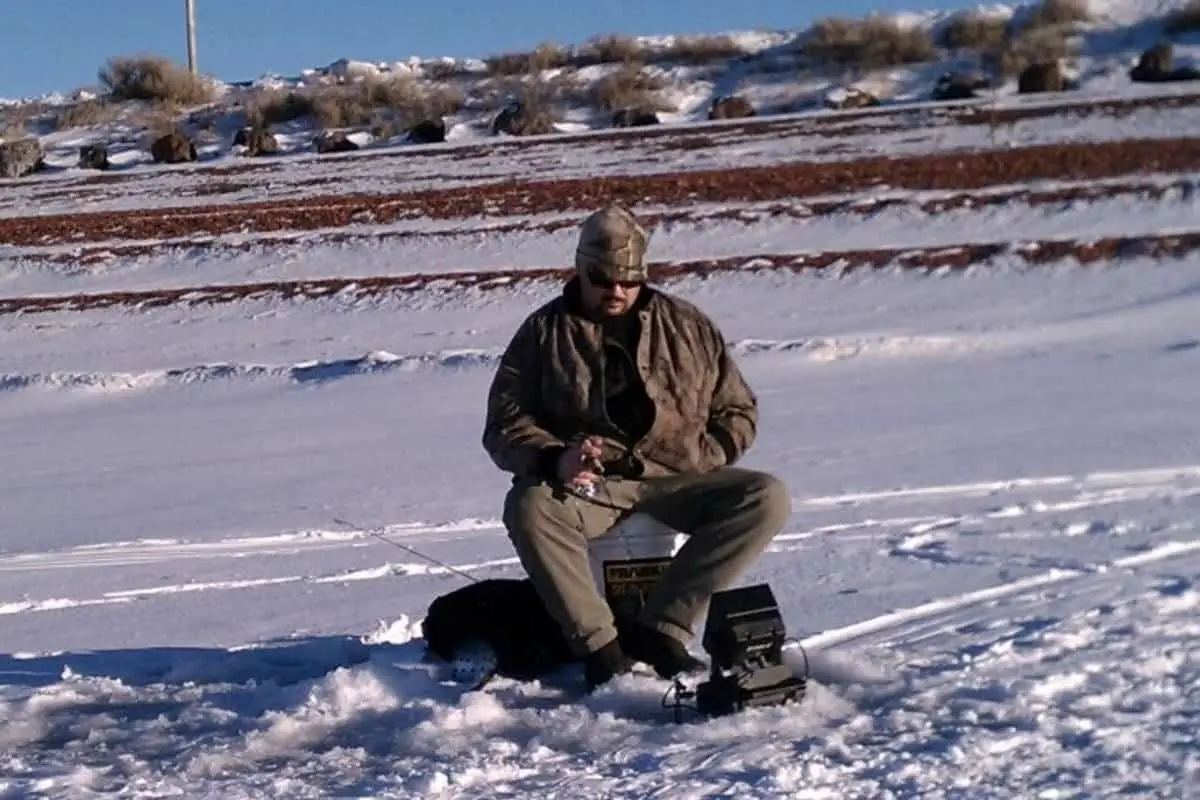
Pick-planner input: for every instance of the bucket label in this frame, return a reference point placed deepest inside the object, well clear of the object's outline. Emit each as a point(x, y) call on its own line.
point(628, 581)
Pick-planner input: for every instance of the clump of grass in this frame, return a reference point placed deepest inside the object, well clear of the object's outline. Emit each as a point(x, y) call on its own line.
point(86, 114)
point(609, 49)
point(16, 117)
point(629, 86)
point(278, 107)
point(1030, 46)
point(613, 49)
point(156, 79)
point(1053, 13)
point(973, 31)
point(697, 50)
point(534, 112)
point(355, 104)
point(866, 44)
point(547, 55)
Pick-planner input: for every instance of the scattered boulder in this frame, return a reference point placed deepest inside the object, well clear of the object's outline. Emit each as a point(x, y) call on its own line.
point(731, 107)
point(428, 131)
point(1041, 77)
point(1156, 65)
point(959, 86)
point(841, 99)
point(257, 141)
point(520, 119)
point(173, 148)
point(634, 118)
point(333, 142)
point(93, 156)
point(21, 157)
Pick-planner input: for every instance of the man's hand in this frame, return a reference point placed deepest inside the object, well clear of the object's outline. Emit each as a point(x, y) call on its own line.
point(579, 465)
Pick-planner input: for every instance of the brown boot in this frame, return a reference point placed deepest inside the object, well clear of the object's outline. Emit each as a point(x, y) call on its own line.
point(667, 655)
point(605, 664)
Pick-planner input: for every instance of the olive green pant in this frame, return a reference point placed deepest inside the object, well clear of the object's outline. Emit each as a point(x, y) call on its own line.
point(730, 516)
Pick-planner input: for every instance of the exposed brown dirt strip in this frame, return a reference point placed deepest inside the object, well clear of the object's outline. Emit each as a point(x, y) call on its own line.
point(860, 206)
point(947, 171)
point(953, 257)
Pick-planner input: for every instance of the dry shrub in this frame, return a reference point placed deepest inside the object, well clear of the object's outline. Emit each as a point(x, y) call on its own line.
point(629, 86)
point(355, 104)
point(700, 49)
point(609, 49)
point(442, 70)
point(973, 30)
point(343, 106)
point(1052, 13)
point(157, 120)
point(1184, 20)
point(871, 43)
point(15, 117)
point(538, 110)
point(1031, 46)
point(1042, 38)
point(277, 107)
point(508, 64)
point(613, 49)
point(545, 56)
point(497, 92)
point(442, 100)
point(548, 56)
point(156, 79)
point(86, 114)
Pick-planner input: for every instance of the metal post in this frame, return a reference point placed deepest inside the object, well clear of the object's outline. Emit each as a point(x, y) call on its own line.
point(190, 6)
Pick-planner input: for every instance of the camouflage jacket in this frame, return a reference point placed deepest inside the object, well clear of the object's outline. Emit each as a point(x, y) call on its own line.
point(547, 391)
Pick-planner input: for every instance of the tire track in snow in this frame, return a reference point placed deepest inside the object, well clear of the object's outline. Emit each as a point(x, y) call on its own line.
point(1113, 478)
point(119, 554)
point(1124, 486)
point(387, 570)
point(894, 621)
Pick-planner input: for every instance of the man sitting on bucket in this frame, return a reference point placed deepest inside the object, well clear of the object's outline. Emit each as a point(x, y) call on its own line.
point(616, 398)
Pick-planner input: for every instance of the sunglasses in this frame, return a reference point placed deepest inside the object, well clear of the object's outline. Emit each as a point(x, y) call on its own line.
point(601, 281)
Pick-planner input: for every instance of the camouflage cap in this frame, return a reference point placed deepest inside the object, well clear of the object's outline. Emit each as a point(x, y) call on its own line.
point(612, 243)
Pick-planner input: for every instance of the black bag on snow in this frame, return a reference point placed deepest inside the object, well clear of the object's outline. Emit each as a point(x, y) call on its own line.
point(507, 615)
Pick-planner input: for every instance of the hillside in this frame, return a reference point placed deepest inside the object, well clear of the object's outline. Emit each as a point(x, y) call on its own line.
point(618, 80)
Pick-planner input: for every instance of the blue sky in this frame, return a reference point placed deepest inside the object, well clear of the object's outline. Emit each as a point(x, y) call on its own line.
point(58, 45)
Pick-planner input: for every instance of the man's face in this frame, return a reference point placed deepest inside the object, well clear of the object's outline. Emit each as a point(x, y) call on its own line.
point(607, 298)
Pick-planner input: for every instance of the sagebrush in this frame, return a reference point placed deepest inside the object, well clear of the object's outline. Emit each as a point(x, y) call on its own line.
point(156, 79)
point(1052, 13)
point(974, 31)
point(401, 99)
point(630, 86)
point(866, 44)
point(1030, 46)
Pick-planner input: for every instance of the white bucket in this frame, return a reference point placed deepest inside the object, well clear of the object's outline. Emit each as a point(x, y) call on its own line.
point(627, 560)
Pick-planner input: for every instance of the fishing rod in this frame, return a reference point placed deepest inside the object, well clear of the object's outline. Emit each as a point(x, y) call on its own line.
point(406, 548)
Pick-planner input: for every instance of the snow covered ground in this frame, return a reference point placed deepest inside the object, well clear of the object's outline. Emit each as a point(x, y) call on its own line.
point(992, 560)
